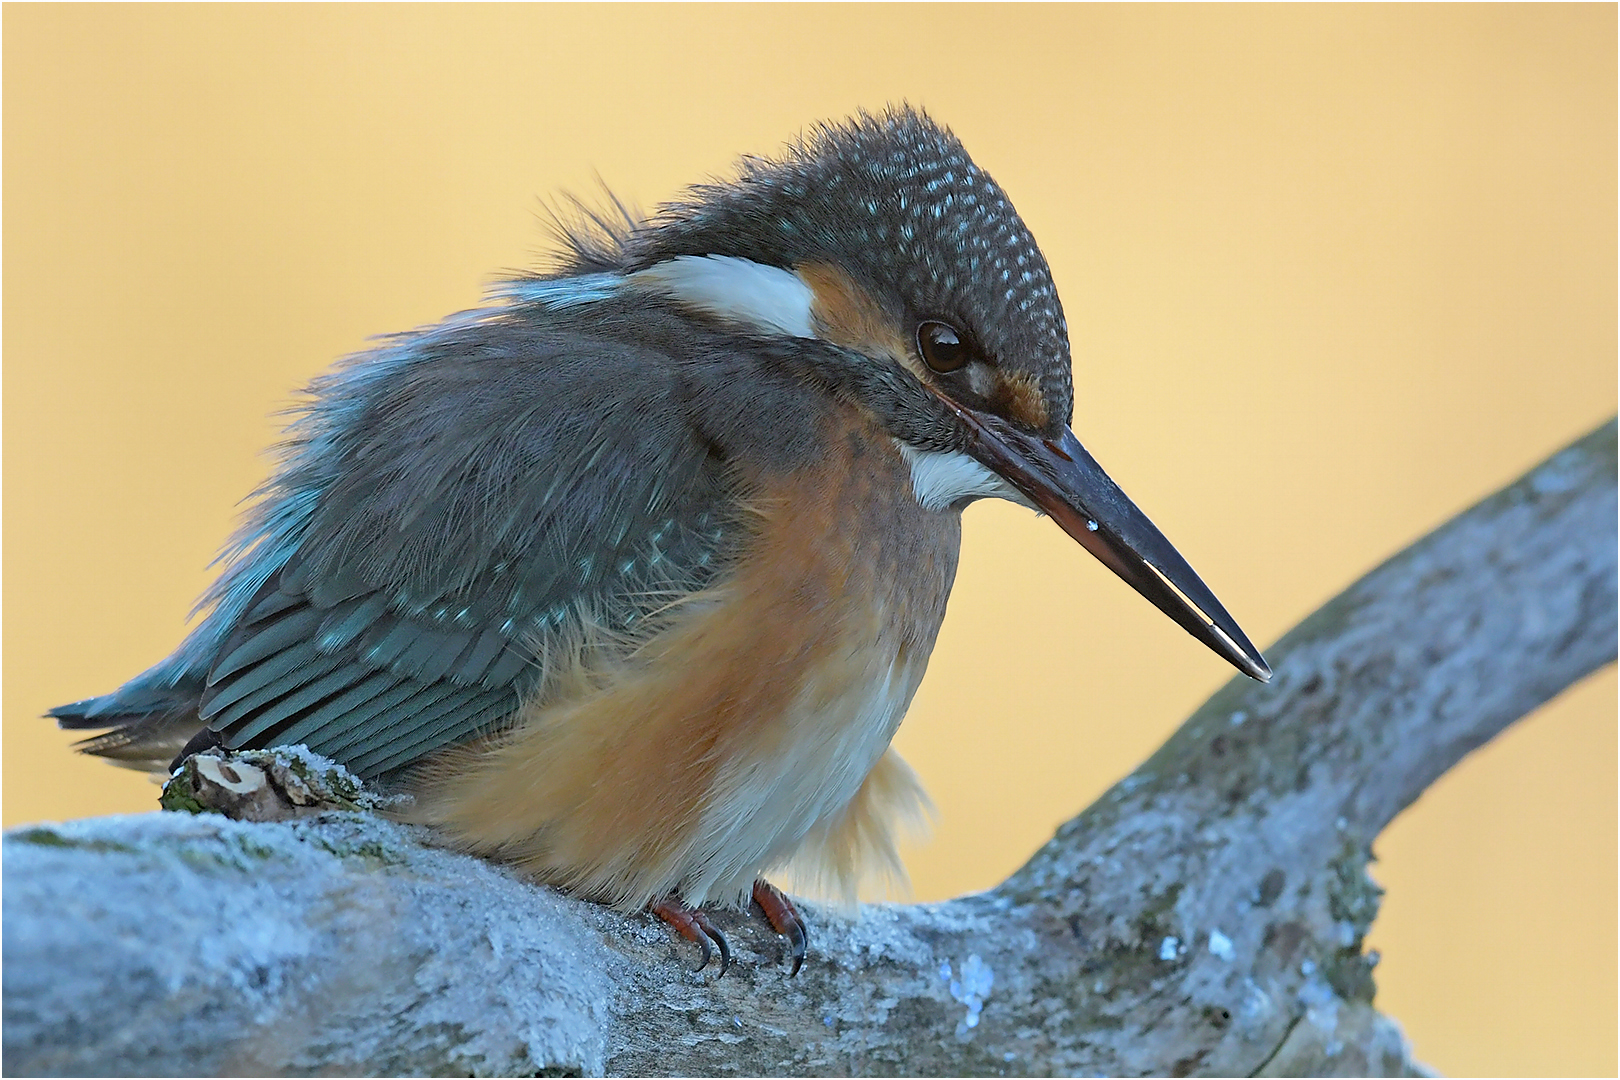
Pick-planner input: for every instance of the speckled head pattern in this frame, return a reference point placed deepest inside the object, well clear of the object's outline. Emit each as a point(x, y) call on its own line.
point(895, 202)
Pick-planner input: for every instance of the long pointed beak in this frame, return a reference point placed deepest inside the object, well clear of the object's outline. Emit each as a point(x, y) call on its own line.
point(1061, 478)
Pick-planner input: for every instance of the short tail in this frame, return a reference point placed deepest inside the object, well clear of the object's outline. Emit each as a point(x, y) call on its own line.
point(145, 735)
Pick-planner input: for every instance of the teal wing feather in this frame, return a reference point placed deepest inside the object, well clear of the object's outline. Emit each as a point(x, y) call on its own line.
point(502, 479)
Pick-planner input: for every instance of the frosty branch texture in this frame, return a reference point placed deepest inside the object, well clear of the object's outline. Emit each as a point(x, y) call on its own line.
point(1205, 916)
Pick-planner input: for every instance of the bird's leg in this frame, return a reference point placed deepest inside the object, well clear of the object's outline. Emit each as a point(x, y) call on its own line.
point(695, 926)
point(784, 919)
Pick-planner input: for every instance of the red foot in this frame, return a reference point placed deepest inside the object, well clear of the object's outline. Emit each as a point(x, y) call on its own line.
point(695, 926)
point(784, 919)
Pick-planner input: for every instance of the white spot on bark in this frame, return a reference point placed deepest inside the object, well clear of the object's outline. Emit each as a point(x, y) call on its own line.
point(971, 990)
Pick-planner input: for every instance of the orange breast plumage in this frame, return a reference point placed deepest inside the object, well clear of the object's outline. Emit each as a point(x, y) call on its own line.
point(749, 730)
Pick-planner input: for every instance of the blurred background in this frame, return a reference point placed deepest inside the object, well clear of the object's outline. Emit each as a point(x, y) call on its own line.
point(1332, 275)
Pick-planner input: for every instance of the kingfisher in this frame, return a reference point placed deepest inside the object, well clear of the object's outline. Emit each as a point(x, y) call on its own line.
point(627, 577)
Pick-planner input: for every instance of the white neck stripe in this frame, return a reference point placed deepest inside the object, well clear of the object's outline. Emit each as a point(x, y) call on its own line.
point(764, 297)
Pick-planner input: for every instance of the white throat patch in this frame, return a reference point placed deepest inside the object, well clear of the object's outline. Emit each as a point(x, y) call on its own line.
point(942, 479)
point(767, 298)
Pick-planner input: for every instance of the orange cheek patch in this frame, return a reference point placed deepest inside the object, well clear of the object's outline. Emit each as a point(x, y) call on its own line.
point(1018, 394)
point(845, 314)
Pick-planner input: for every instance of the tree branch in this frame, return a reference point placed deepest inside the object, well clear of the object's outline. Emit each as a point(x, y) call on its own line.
point(1205, 916)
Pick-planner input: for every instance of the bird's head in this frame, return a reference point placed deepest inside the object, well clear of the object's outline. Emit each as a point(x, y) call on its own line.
point(882, 239)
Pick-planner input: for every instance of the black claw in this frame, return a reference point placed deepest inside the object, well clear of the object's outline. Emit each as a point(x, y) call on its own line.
point(693, 925)
point(724, 946)
point(711, 932)
point(801, 944)
point(791, 925)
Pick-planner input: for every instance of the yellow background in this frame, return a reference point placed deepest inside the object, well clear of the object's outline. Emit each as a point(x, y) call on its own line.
point(1332, 273)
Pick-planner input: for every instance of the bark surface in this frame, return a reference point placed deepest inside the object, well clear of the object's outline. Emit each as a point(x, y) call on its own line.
point(1205, 916)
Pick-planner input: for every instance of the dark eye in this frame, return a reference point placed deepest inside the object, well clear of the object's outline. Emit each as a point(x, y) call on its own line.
point(942, 347)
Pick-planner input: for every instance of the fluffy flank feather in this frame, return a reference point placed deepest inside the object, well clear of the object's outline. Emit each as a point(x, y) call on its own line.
point(856, 852)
